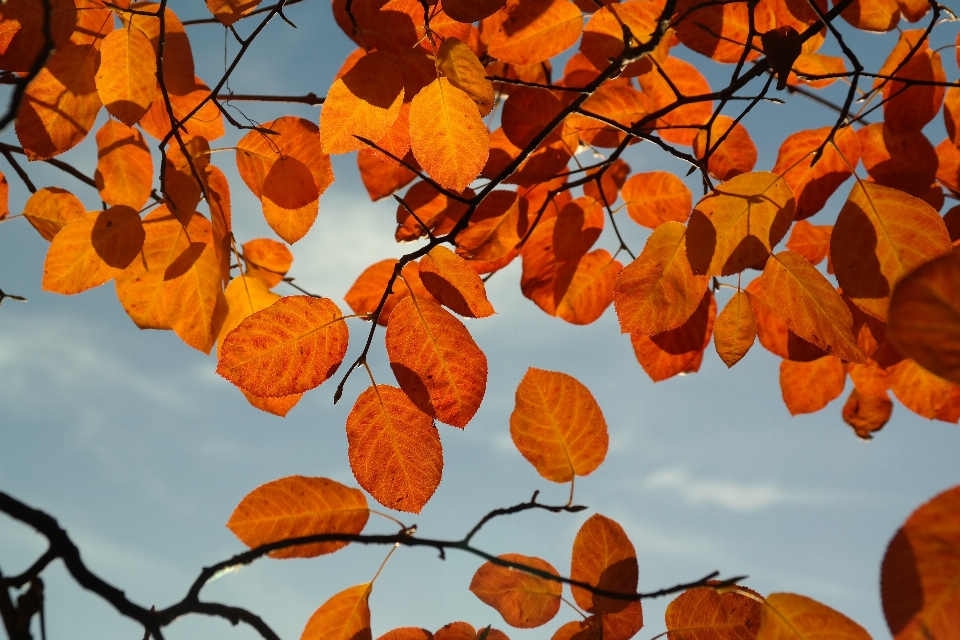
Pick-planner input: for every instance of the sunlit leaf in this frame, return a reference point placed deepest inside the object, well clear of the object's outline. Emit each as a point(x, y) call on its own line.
point(735, 329)
point(682, 124)
point(703, 613)
point(787, 615)
point(127, 76)
point(657, 197)
point(810, 241)
point(460, 65)
point(813, 184)
point(604, 557)
point(267, 260)
point(124, 166)
point(735, 155)
point(365, 294)
point(454, 284)
point(679, 350)
point(524, 600)
point(904, 160)
point(808, 387)
point(345, 616)
point(51, 209)
point(924, 393)
point(909, 107)
point(867, 414)
point(536, 30)
point(773, 332)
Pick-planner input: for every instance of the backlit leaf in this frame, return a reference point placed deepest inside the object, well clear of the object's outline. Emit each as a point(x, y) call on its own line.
point(808, 387)
point(345, 616)
point(366, 292)
point(787, 616)
point(495, 228)
point(127, 76)
point(447, 135)
point(658, 291)
point(381, 178)
point(407, 633)
point(124, 166)
point(683, 122)
point(810, 241)
point(904, 160)
point(679, 350)
point(363, 102)
point(279, 407)
point(536, 30)
point(460, 65)
point(735, 155)
point(703, 613)
point(140, 285)
point(910, 107)
point(92, 249)
point(924, 393)
point(60, 104)
point(924, 318)
point(867, 413)
point(620, 103)
point(434, 209)
point(51, 209)
point(809, 305)
point(557, 425)
point(657, 197)
point(773, 332)
point(739, 223)
point(813, 185)
point(290, 347)
point(604, 557)
point(267, 260)
point(454, 283)
point(245, 296)
point(872, 15)
point(918, 578)
point(288, 172)
point(881, 235)
point(178, 67)
point(299, 506)
point(229, 11)
point(524, 600)
point(394, 449)
point(472, 10)
point(735, 329)
point(720, 31)
point(206, 123)
point(603, 34)
point(436, 361)
point(23, 25)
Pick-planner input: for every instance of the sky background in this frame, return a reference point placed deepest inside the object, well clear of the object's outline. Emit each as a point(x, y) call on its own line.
point(141, 451)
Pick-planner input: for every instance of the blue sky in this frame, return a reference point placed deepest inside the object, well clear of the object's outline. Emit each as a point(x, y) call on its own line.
point(141, 451)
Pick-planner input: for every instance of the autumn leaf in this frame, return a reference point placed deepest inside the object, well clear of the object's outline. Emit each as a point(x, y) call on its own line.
point(229, 11)
point(719, 31)
point(524, 600)
point(365, 294)
point(924, 393)
point(603, 34)
point(535, 30)
point(394, 449)
point(867, 414)
point(787, 615)
point(51, 209)
point(299, 506)
point(244, 296)
point(290, 347)
point(381, 178)
point(345, 616)
point(918, 578)
point(496, 227)
point(881, 235)
point(454, 284)
point(659, 290)
point(810, 241)
point(457, 63)
point(279, 407)
point(656, 197)
point(808, 387)
point(92, 250)
point(407, 633)
point(436, 361)
point(124, 167)
point(813, 184)
point(557, 425)
point(924, 317)
point(909, 107)
point(735, 155)
point(682, 124)
point(604, 557)
point(735, 329)
point(809, 305)
point(872, 15)
point(447, 135)
point(140, 285)
point(267, 260)
point(679, 350)
point(704, 612)
point(904, 160)
point(773, 332)
point(739, 223)
point(127, 76)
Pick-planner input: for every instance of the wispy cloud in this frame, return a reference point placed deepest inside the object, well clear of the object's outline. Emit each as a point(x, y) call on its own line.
point(727, 494)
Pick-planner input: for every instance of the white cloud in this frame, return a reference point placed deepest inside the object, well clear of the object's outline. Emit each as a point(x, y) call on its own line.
point(735, 496)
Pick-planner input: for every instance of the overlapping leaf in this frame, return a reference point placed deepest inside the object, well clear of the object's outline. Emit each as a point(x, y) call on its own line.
point(813, 184)
point(454, 284)
point(345, 616)
point(51, 209)
point(656, 197)
point(604, 557)
point(124, 167)
point(523, 599)
point(787, 615)
point(808, 387)
point(735, 329)
point(679, 350)
point(127, 75)
point(703, 613)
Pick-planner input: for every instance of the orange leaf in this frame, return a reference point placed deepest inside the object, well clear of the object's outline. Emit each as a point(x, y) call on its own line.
point(679, 350)
point(773, 332)
point(279, 407)
point(407, 633)
point(229, 11)
point(345, 616)
point(245, 296)
point(454, 283)
point(617, 102)
point(913, 10)
point(4, 197)
point(557, 425)
point(603, 34)
point(394, 449)
point(457, 63)
point(867, 413)
point(901, 159)
point(288, 172)
point(577, 227)
point(447, 135)
point(366, 292)
point(124, 166)
point(436, 361)
point(433, 208)
point(813, 185)
point(918, 578)
point(924, 393)
point(683, 122)
point(810, 241)
point(808, 387)
point(495, 228)
point(658, 291)
point(528, 111)
point(657, 197)
point(92, 250)
point(206, 123)
point(951, 114)
point(381, 178)
point(363, 102)
point(948, 171)
point(610, 182)
point(872, 15)
point(735, 155)
point(178, 68)
point(298, 506)
point(267, 260)
point(23, 25)
point(536, 30)
point(140, 285)
point(524, 600)
point(924, 318)
point(290, 347)
point(472, 10)
point(60, 104)
point(809, 305)
point(817, 64)
point(881, 235)
point(604, 557)
point(739, 223)
point(704, 613)
point(787, 615)
point(127, 76)
point(51, 209)
point(908, 107)
point(720, 31)
point(735, 329)
point(193, 301)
